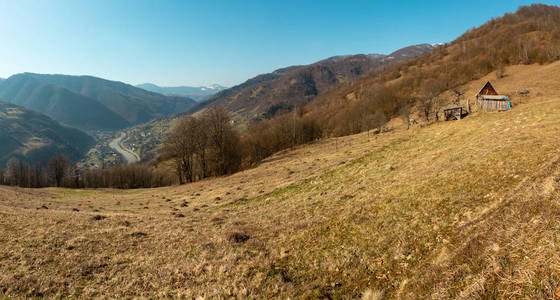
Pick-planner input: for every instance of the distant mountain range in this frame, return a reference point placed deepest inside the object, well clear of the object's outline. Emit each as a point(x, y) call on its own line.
point(196, 93)
point(32, 136)
point(87, 102)
point(284, 88)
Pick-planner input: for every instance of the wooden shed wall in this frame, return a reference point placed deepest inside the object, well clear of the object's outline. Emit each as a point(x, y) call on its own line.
point(492, 105)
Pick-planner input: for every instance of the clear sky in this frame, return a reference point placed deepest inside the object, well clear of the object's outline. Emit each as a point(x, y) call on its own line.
point(226, 42)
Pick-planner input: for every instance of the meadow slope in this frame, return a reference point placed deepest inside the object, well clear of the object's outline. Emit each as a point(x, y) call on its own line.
point(466, 209)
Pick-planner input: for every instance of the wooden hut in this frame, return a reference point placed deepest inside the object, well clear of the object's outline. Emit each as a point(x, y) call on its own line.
point(488, 99)
point(453, 113)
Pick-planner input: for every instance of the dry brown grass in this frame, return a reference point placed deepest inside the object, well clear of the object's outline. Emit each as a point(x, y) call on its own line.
point(465, 209)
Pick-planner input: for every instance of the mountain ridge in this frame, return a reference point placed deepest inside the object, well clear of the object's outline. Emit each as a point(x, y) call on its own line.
point(59, 103)
point(300, 84)
point(196, 93)
point(123, 104)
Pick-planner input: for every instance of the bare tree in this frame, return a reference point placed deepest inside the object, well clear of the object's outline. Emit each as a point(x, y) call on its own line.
point(404, 114)
point(379, 121)
point(200, 136)
point(458, 96)
point(425, 107)
point(37, 175)
point(182, 145)
point(430, 103)
point(524, 46)
point(13, 171)
point(19, 172)
point(205, 146)
point(58, 168)
point(223, 141)
point(501, 72)
point(437, 104)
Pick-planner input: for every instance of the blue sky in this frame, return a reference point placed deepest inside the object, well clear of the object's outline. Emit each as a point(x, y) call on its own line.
point(203, 42)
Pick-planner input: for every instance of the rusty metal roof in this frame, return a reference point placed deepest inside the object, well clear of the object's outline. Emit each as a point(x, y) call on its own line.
point(494, 97)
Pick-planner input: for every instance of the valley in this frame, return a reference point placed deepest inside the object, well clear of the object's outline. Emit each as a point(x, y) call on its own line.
point(117, 144)
point(94, 105)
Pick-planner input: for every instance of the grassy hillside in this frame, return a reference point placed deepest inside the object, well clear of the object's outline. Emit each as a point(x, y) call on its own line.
point(35, 137)
point(465, 209)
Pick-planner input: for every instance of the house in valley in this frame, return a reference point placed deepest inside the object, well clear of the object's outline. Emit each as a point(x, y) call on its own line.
point(488, 99)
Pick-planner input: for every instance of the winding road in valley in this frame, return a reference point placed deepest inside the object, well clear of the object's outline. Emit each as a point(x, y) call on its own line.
point(126, 153)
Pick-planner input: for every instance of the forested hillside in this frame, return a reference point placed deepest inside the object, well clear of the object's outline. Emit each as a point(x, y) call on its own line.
point(88, 102)
point(414, 88)
point(262, 96)
point(60, 104)
point(267, 95)
point(34, 137)
point(531, 35)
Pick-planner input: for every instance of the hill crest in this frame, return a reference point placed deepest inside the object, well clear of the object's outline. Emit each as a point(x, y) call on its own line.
point(293, 85)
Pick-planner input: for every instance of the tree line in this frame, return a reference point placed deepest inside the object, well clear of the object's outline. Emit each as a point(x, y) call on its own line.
point(205, 146)
point(58, 172)
point(20, 173)
point(209, 145)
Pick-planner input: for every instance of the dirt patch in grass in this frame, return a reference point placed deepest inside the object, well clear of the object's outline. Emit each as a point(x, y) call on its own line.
point(98, 217)
point(238, 237)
